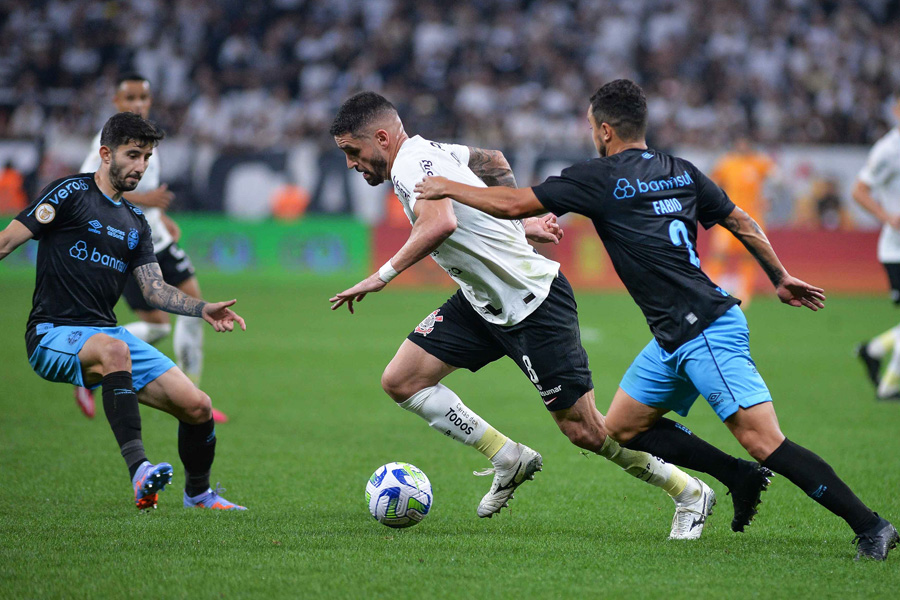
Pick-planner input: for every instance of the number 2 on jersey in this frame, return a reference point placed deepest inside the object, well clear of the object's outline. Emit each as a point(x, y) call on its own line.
point(678, 233)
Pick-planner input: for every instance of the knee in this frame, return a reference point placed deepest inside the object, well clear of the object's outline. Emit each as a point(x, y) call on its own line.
point(758, 445)
point(620, 432)
point(198, 409)
point(588, 436)
point(115, 356)
point(396, 385)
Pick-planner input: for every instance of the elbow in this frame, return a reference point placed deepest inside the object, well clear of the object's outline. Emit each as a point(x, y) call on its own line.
point(447, 228)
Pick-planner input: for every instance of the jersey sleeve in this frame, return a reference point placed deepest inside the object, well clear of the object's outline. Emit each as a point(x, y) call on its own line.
point(143, 253)
point(406, 173)
point(713, 204)
point(53, 206)
point(877, 170)
point(576, 190)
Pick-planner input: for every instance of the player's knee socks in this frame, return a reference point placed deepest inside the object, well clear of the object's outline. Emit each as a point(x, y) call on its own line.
point(881, 344)
point(120, 404)
point(675, 443)
point(188, 344)
point(817, 479)
point(148, 332)
point(445, 412)
point(197, 449)
point(646, 467)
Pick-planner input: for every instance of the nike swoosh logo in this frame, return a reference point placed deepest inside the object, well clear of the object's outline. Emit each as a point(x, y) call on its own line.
point(547, 402)
point(512, 480)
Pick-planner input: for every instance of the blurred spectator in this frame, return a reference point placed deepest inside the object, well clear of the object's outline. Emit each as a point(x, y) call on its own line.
point(822, 208)
point(493, 72)
point(12, 190)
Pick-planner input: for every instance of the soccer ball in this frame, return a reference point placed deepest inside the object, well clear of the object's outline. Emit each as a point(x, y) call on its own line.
point(398, 495)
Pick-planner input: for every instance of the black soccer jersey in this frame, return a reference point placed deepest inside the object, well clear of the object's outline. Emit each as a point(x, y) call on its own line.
point(88, 245)
point(645, 206)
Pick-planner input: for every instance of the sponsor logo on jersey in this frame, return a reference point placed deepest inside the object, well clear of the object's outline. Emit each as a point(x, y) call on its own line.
point(95, 226)
point(427, 167)
point(427, 325)
point(115, 233)
point(401, 190)
point(137, 211)
point(133, 238)
point(66, 189)
point(45, 213)
point(80, 252)
point(647, 155)
point(626, 188)
point(74, 337)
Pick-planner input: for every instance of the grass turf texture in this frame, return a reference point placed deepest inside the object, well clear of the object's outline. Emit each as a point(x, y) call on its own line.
point(309, 424)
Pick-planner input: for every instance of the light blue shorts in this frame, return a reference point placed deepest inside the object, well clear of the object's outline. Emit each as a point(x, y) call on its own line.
point(56, 357)
point(716, 365)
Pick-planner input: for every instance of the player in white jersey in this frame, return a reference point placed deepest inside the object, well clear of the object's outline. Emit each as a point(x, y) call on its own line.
point(512, 302)
point(133, 95)
point(877, 190)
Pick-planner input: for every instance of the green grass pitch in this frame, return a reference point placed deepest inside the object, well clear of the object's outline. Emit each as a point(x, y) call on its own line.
point(309, 424)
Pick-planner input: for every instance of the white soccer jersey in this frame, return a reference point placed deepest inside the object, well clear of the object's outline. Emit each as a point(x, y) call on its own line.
point(149, 182)
point(499, 273)
point(882, 175)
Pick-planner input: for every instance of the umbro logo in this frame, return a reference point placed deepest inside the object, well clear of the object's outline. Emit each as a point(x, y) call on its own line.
point(95, 226)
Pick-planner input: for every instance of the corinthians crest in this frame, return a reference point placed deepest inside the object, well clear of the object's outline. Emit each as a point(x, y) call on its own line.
point(427, 325)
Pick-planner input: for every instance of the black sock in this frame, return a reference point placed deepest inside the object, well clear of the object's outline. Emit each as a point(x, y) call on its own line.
point(197, 448)
point(818, 480)
point(120, 404)
point(675, 443)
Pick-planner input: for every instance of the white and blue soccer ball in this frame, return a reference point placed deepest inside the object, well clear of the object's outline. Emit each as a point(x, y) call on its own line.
point(398, 495)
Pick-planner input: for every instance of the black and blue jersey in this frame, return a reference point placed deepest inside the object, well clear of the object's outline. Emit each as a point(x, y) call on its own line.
point(88, 244)
point(645, 206)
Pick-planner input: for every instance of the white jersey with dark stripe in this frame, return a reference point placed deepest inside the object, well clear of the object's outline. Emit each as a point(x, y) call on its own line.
point(88, 244)
point(498, 271)
point(645, 206)
point(149, 182)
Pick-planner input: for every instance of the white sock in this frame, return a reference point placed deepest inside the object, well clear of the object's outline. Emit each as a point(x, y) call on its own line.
point(149, 332)
point(890, 380)
point(446, 413)
point(188, 343)
point(881, 344)
point(646, 467)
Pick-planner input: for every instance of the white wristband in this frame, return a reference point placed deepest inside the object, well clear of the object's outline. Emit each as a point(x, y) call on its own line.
point(387, 272)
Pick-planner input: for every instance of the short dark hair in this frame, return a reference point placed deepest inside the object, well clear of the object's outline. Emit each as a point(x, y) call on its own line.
point(622, 105)
point(125, 127)
point(358, 112)
point(130, 76)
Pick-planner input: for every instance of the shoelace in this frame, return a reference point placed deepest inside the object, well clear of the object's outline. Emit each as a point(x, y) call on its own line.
point(218, 489)
point(490, 471)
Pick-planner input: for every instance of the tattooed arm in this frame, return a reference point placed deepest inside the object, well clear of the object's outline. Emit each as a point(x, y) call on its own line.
point(491, 167)
point(790, 290)
point(163, 296)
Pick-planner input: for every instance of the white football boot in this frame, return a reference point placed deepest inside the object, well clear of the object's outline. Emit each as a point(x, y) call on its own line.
point(507, 479)
point(691, 516)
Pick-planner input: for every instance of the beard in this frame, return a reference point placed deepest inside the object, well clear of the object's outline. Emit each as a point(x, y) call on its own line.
point(122, 182)
point(378, 173)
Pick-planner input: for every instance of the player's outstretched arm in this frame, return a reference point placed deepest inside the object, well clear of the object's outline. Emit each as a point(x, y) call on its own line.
point(501, 202)
point(435, 222)
point(862, 194)
point(789, 289)
point(12, 237)
point(163, 296)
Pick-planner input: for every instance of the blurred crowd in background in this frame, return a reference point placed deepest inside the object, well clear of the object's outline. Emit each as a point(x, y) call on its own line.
point(494, 73)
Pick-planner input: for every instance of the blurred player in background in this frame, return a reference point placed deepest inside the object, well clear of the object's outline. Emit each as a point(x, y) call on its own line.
point(742, 173)
point(646, 206)
point(512, 302)
point(877, 190)
point(133, 95)
point(90, 242)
